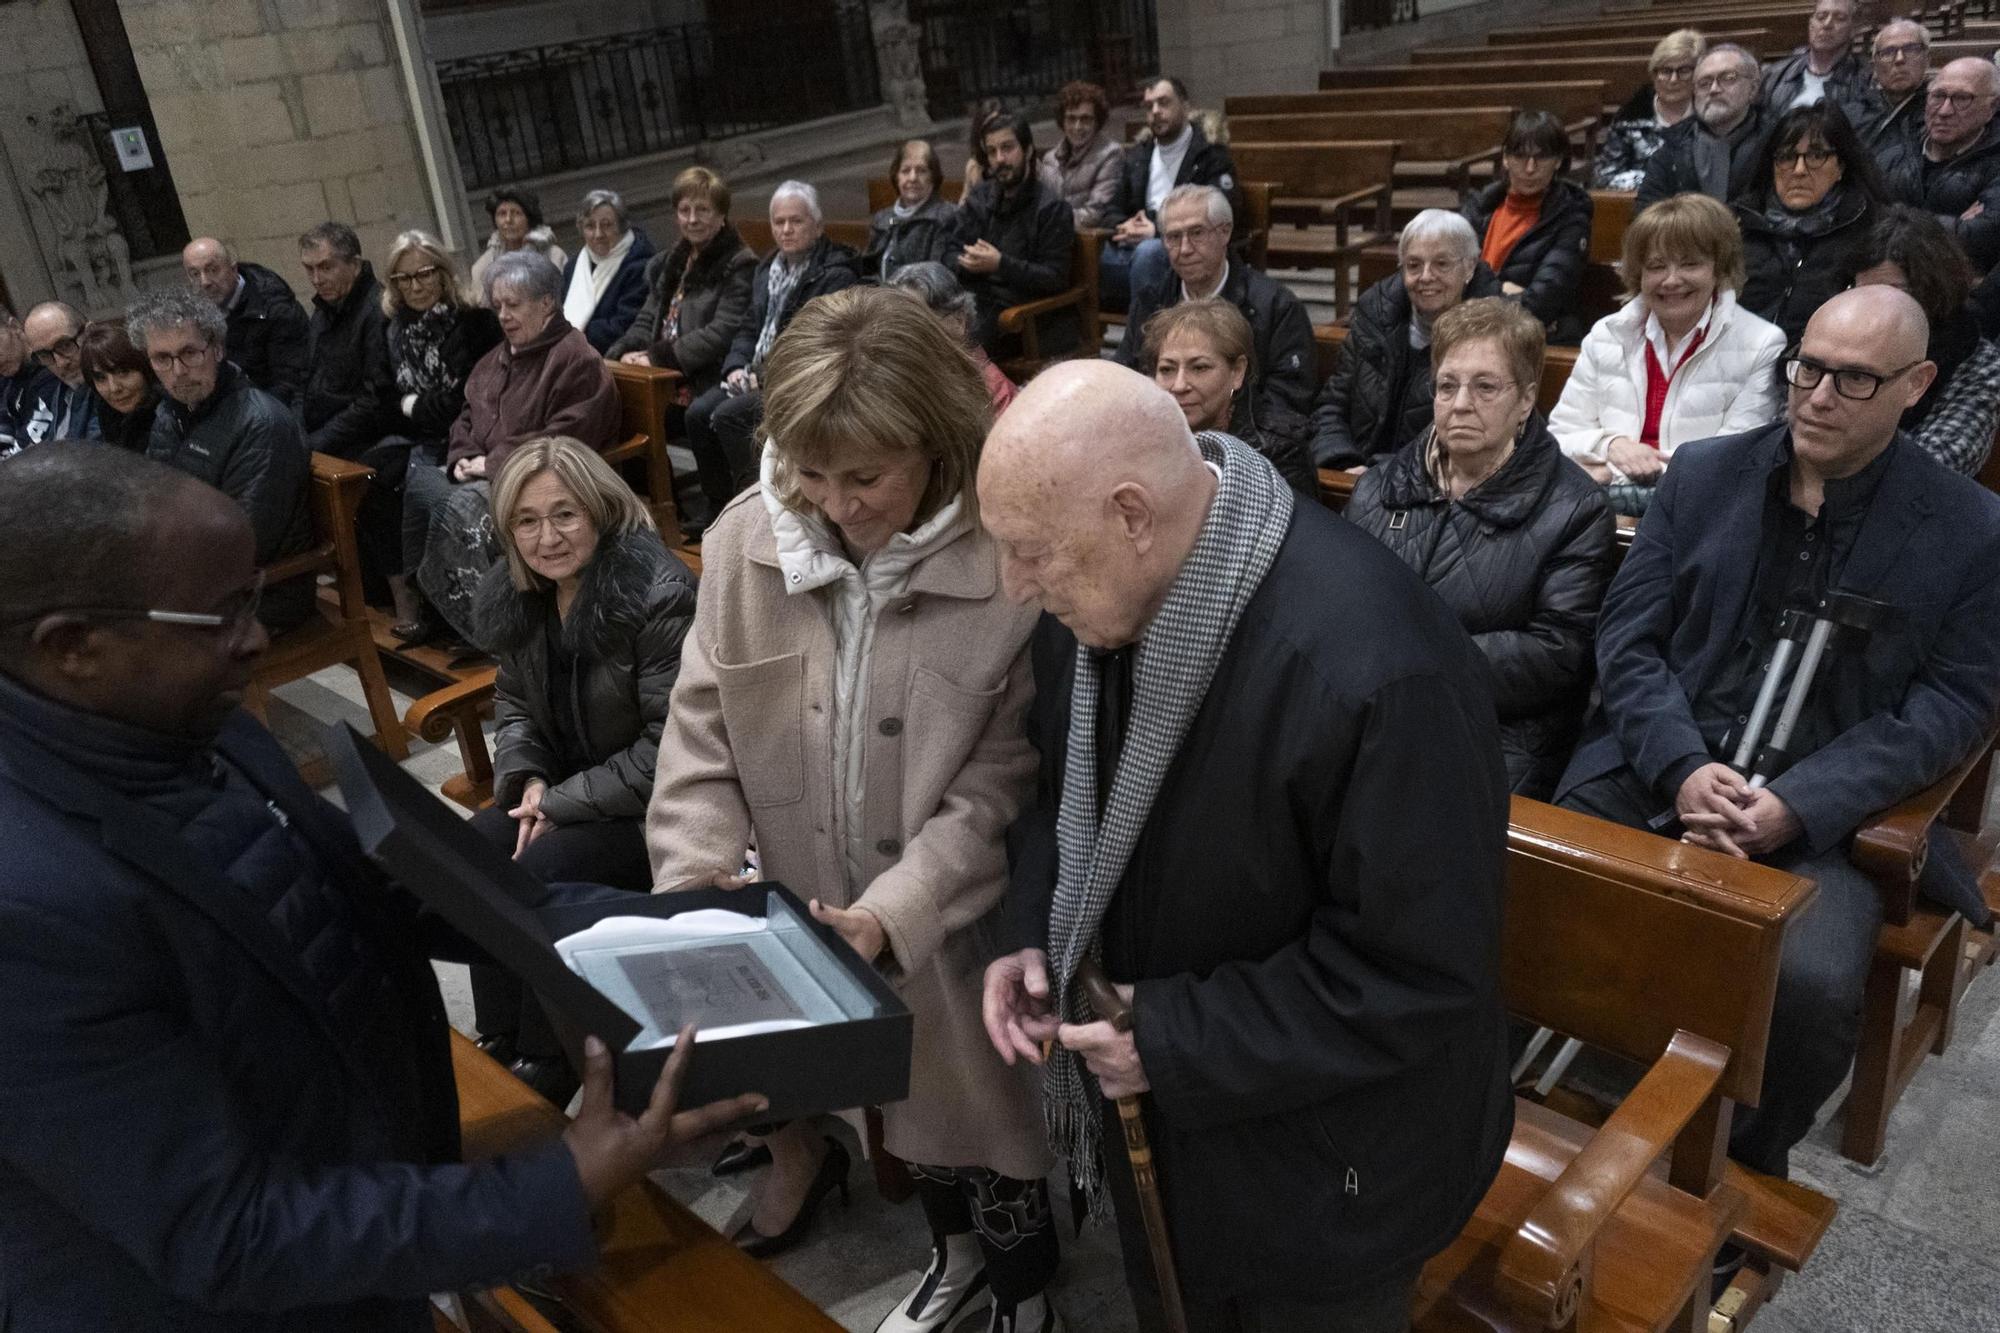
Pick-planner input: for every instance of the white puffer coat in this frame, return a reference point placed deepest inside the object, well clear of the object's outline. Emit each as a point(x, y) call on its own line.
point(1729, 384)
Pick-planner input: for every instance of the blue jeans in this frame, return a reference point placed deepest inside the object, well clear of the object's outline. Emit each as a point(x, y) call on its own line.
point(1122, 270)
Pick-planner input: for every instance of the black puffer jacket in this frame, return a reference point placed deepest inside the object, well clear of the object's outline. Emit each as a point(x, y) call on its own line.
point(1354, 422)
point(1282, 436)
point(1285, 363)
point(924, 235)
point(1523, 559)
point(474, 332)
point(626, 626)
point(348, 400)
point(830, 267)
point(1791, 272)
point(1548, 262)
point(267, 333)
point(1949, 188)
point(713, 307)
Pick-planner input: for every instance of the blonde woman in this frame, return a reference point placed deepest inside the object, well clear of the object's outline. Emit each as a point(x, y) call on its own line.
point(586, 612)
point(1642, 123)
point(852, 601)
point(436, 336)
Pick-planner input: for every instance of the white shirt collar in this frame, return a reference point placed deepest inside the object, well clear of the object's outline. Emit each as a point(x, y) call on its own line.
point(1220, 283)
point(1670, 352)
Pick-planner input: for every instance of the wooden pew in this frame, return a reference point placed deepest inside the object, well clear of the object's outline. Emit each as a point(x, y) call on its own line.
point(1786, 25)
point(338, 629)
point(1611, 214)
point(1317, 182)
point(1620, 72)
point(1438, 146)
point(644, 394)
point(1756, 39)
point(1557, 363)
point(1616, 1227)
point(661, 1268)
point(1573, 100)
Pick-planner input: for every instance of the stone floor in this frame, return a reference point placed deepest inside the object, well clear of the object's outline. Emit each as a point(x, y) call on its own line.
point(1915, 1248)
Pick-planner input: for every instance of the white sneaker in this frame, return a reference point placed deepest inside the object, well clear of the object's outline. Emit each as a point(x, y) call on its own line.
point(1037, 1314)
point(957, 1274)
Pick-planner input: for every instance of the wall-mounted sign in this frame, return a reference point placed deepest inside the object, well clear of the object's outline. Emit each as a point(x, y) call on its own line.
point(133, 154)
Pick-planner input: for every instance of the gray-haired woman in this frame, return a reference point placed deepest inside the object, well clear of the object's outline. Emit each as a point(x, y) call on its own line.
point(1379, 395)
point(604, 283)
point(939, 288)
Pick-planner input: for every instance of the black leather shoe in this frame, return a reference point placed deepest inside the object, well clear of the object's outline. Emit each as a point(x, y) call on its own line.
point(499, 1045)
point(832, 1176)
point(740, 1156)
point(549, 1075)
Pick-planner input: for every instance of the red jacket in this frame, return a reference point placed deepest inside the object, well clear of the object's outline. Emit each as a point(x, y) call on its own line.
point(556, 385)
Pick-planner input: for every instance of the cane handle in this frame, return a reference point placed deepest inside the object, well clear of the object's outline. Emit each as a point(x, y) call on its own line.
point(1103, 997)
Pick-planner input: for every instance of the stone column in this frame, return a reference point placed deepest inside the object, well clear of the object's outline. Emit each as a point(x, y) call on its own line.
point(899, 62)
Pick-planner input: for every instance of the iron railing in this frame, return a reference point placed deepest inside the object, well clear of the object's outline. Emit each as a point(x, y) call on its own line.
point(522, 114)
point(145, 204)
point(1360, 15)
point(1024, 51)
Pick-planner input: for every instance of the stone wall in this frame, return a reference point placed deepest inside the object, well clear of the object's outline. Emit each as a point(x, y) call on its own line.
point(43, 66)
point(276, 114)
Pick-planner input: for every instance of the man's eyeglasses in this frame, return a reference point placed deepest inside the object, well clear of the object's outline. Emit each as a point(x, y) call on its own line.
point(1959, 101)
point(1712, 82)
point(162, 362)
point(1859, 385)
point(236, 614)
point(1483, 391)
point(1180, 236)
point(428, 273)
point(1814, 158)
point(1889, 55)
point(61, 350)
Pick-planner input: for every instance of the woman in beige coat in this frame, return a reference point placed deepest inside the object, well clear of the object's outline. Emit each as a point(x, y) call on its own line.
point(849, 603)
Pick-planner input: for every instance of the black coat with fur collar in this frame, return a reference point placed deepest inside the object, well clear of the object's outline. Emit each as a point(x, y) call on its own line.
point(626, 627)
point(713, 308)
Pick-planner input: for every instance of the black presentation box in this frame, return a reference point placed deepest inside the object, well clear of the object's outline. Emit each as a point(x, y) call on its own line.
point(860, 1057)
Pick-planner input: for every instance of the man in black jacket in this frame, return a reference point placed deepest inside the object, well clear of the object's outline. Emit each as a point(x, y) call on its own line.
point(1826, 67)
point(21, 382)
point(1016, 236)
point(58, 404)
point(1719, 150)
point(1741, 530)
point(1954, 171)
point(347, 402)
point(229, 1099)
point(268, 337)
point(1889, 113)
point(1175, 152)
point(216, 426)
point(1196, 225)
point(1283, 832)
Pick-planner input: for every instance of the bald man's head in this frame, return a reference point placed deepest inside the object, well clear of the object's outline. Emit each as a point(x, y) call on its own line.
point(50, 332)
point(1868, 348)
point(1095, 492)
point(211, 268)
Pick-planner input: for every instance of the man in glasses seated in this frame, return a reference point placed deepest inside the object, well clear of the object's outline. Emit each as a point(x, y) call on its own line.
point(1720, 149)
point(215, 425)
point(1743, 528)
point(61, 405)
point(1954, 171)
point(1890, 110)
point(20, 382)
point(229, 1100)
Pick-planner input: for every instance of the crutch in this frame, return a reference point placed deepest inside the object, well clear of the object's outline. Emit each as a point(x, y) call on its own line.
point(1847, 617)
point(1109, 1006)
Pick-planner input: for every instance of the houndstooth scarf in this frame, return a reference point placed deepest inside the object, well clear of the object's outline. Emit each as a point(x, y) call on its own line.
point(1172, 666)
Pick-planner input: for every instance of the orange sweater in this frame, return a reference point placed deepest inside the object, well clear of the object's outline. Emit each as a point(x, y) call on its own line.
point(1510, 223)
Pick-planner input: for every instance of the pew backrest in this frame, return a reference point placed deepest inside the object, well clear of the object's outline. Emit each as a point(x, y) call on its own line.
point(1558, 46)
point(1317, 170)
point(1425, 136)
point(1571, 100)
point(1624, 72)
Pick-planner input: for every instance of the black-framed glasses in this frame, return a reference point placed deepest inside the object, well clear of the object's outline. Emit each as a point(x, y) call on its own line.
point(1715, 81)
point(60, 350)
point(1959, 100)
point(1814, 158)
point(1803, 372)
point(1889, 55)
point(427, 273)
point(1527, 159)
point(236, 614)
point(1680, 73)
point(163, 362)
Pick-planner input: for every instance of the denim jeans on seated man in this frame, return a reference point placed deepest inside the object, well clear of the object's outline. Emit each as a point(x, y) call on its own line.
point(1122, 270)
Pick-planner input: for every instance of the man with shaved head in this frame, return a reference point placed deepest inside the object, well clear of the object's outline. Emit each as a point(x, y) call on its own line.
point(1954, 170)
point(267, 325)
point(1835, 499)
point(1274, 808)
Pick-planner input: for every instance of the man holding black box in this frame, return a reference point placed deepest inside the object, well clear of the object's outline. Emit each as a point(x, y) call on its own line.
point(228, 1103)
point(1281, 827)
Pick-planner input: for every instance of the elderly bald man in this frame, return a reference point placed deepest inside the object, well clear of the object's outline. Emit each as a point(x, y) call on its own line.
point(1954, 169)
point(267, 325)
point(1834, 499)
point(1281, 829)
point(60, 405)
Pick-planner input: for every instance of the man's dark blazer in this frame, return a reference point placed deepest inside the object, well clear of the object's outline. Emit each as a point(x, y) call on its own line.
point(190, 1144)
point(1914, 703)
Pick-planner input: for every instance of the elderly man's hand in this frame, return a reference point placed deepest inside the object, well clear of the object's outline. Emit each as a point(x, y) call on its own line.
point(1018, 1005)
point(979, 257)
point(1110, 1055)
point(1134, 229)
point(1761, 825)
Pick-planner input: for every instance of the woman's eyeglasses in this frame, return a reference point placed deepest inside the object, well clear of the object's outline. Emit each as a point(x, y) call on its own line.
point(428, 273)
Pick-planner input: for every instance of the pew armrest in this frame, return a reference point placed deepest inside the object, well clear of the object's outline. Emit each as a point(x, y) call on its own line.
point(1015, 318)
point(1458, 171)
point(1892, 847)
point(1545, 1265)
point(437, 714)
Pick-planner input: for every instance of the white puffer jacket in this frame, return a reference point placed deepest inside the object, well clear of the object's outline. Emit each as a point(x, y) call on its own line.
point(1729, 384)
point(811, 556)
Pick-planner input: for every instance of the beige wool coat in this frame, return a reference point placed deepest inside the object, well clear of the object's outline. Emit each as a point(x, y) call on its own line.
point(748, 754)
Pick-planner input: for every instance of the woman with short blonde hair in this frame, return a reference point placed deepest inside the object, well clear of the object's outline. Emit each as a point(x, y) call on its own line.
point(1679, 361)
point(586, 614)
point(1204, 354)
point(1640, 126)
point(852, 700)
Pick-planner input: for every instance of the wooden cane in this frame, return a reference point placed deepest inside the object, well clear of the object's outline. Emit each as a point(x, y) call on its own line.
point(1109, 1006)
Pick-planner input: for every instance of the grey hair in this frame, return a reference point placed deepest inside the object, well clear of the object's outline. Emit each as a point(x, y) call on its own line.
point(1923, 33)
point(168, 309)
point(801, 191)
point(597, 199)
point(528, 271)
point(337, 235)
point(1439, 224)
point(937, 287)
point(1214, 201)
point(1743, 56)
